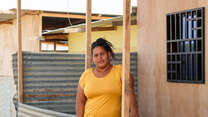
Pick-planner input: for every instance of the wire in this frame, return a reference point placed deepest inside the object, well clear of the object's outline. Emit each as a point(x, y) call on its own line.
point(67, 7)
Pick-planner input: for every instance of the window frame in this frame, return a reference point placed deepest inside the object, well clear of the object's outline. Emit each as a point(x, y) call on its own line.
point(175, 38)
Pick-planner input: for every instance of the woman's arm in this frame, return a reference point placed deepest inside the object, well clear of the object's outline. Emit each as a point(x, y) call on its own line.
point(133, 108)
point(80, 102)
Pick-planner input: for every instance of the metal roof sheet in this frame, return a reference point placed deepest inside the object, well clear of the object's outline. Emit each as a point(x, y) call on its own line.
point(94, 24)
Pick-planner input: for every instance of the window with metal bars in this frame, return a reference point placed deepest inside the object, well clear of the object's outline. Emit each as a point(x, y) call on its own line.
point(185, 46)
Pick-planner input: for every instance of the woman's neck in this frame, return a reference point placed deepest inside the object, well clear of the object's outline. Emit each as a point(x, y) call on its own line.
point(105, 69)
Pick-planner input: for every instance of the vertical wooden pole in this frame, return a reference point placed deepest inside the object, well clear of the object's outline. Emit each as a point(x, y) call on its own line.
point(20, 76)
point(40, 30)
point(126, 58)
point(54, 45)
point(88, 35)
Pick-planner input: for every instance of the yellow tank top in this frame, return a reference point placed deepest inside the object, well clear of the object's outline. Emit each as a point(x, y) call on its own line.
point(103, 94)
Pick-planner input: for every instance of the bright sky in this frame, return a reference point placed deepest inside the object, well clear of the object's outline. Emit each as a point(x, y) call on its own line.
point(98, 6)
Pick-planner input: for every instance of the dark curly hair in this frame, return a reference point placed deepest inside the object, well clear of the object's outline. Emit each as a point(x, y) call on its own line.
point(105, 44)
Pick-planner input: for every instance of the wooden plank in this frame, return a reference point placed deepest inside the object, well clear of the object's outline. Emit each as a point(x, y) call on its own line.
point(6, 22)
point(111, 28)
point(58, 36)
point(20, 75)
point(88, 35)
point(31, 12)
point(126, 59)
point(120, 23)
point(77, 16)
point(57, 43)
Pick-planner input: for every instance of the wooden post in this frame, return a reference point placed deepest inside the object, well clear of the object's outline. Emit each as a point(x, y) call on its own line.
point(20, 76)
point(54, 45)
point(88, 35)
point(126, 59)
point(40, 30)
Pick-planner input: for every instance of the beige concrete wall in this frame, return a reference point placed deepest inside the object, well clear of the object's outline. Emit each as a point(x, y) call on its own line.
point(8, 89)
point(9, 42)
point(9, 46)
point(157, 97)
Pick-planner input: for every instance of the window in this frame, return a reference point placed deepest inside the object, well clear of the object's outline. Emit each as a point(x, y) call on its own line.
point(185, 46)
point(54, 46)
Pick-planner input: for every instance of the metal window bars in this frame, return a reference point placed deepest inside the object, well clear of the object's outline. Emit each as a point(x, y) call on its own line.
point(185, 46)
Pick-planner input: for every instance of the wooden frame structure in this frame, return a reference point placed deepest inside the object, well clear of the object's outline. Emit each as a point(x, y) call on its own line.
point(125, 57)
point(88, 34)
point(20, 74)
point(73, 16)
point(126, 52)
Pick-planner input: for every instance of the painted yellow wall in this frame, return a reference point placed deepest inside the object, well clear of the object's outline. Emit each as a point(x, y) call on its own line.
point(76, 41)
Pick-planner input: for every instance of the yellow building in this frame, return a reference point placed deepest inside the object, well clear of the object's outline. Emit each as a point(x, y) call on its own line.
point(110, 29)
point(76, 41)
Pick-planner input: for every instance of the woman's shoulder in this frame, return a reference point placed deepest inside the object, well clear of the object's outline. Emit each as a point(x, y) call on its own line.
point(87, 71)
point(118, 67)
point(85, 74)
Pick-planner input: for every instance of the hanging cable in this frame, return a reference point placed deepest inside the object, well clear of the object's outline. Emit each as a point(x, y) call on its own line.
point(67, 7)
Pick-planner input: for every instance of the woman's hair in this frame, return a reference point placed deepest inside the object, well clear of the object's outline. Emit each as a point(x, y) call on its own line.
point(105, 44)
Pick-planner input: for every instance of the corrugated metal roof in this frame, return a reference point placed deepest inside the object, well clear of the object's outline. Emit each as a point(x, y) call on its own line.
point(94, 24)
point(7, 15)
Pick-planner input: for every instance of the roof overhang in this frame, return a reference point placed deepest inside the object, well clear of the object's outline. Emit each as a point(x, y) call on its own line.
point(81, 27)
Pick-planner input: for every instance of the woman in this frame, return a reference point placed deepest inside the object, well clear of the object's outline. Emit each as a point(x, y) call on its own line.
point(99, 89)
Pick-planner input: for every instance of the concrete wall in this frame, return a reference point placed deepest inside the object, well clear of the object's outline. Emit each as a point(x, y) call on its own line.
point(77, 40)
point(157, 97)
point(8, 46)
point(9, 42)
point(6, 94)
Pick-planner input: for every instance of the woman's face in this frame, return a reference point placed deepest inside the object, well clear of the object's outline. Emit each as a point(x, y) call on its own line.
point(101, 57)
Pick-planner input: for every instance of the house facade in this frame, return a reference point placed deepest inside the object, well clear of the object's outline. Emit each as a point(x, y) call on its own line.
point(170, 86)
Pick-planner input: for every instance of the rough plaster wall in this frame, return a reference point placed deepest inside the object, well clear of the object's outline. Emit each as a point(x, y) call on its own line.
point(9, 45)
point(7, 92)
point(157, 97)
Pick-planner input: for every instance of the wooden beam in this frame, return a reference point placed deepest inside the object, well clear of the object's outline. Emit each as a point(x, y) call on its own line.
point(6, 22)
point(65, 15)
point(59, 36)
point(55, 26)
point(32, 12)
point(20, 74)
point(126, 59)
point(27, 12)
point(88, 35)
point(120, 23)
point(103, 28)
point(52, 42)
